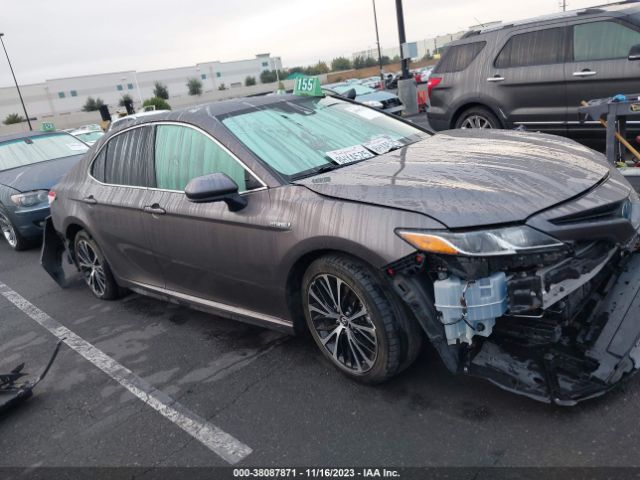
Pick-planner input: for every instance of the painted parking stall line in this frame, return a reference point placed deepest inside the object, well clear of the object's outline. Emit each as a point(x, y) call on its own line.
point(226, 446)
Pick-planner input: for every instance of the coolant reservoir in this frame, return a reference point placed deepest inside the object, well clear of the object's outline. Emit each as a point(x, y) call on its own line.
point(470, 308)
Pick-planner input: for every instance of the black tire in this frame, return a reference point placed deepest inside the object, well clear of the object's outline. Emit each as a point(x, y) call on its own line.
point(11, 234)
point(482, 114)
point(395, 336)
point(87, 252)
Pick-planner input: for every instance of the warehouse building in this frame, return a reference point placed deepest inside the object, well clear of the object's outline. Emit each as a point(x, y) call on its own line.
point(66, 95)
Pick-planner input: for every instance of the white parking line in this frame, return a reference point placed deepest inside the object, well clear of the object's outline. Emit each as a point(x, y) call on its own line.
point(220, 442)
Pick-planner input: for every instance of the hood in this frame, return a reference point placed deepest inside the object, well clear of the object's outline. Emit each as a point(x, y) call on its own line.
point(470, 178)
point(38, 176)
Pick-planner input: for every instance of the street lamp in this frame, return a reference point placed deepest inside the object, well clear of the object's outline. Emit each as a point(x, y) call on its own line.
point(16, 82)
point(375, 21)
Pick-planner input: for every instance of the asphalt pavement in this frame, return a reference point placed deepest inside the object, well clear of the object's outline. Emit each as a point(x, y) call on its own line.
point(272, 393)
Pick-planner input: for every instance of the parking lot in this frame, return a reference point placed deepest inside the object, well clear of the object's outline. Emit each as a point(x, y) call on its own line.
point(271, 393)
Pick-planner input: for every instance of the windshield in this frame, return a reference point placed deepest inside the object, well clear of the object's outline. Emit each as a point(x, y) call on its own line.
point(360, 89)
point(29, 150)
point(299, 137)
point(88, 136)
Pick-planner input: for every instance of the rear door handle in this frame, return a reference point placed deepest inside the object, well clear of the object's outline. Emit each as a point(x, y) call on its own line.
point(154, 209)
point(89, 200)
point(584, 73)
point(497, 78)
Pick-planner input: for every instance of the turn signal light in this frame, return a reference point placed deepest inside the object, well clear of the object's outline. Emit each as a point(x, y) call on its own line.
point(429, 243)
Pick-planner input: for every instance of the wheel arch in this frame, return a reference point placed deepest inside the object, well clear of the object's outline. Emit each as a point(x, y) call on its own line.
point(468, 105)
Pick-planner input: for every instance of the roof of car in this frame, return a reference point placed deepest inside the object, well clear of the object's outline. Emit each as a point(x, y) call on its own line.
point(618, 9)
point(18, 136)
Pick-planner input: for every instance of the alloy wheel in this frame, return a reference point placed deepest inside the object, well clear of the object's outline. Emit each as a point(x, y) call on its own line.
point(8, 231)
point(91, 267)
point(476, 121)
point(342, 323)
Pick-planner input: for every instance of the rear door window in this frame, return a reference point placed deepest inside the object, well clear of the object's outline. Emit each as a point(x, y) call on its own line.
point(542, 47)
point(458, 57)
point(126, 159)
point(183, 153)
point(605, 40)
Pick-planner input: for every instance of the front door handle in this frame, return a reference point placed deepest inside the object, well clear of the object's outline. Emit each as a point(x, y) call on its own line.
point(496, 78)
point(154, 209)
point(89, 200)
point(584, 73)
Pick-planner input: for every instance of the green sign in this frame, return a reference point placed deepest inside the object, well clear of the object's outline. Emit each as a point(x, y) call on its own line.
point(47, 127)
point(309, 86)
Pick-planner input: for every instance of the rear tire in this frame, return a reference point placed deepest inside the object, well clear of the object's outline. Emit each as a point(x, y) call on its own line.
point(357, 323)
point(478, 118)
point(11, 234)
point(94, 268)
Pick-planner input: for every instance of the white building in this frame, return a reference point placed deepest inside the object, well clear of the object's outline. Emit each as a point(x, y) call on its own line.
point(425, 46)
point(66, 95)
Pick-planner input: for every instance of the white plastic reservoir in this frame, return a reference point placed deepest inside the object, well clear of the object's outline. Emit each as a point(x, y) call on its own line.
point(486, 299)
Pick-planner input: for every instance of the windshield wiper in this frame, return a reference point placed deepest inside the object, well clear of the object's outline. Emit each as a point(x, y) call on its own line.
point(328, 167)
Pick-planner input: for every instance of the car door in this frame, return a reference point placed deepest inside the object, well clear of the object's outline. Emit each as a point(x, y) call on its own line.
point(122, 172)
point(599, 66)
point(527, 79)
point(204, 249)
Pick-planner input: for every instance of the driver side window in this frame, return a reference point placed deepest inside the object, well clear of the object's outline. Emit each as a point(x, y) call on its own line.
point(183, 153)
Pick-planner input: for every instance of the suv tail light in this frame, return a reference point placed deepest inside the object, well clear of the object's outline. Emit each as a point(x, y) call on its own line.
point(432, 83)
point(51, 196)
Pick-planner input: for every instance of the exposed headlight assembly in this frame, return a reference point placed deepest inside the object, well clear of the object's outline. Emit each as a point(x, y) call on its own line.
point(373, 103)
point(480, 243)
point(29, 199)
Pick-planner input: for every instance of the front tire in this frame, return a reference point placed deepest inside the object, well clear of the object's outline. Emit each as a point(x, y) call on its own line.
point(477, 118)
point(355, 321)
point(11, 234)
point(94, 268)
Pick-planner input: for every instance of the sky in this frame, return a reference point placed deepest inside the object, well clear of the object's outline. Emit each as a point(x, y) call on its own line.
point(49, 39)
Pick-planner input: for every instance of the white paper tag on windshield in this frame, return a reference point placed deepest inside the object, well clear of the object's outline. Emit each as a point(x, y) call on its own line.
point(76, 146)
point(382, 145)
point(350, 154)
point(363, 112)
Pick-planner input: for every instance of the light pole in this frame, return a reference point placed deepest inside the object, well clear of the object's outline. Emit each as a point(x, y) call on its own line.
point(407, 90)
point(375, 21)
point(16, 82)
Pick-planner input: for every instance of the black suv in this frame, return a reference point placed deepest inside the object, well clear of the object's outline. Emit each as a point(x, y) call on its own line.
point(536, 72)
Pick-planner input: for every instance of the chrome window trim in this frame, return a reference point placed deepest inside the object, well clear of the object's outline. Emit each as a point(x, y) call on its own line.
point(180, 124)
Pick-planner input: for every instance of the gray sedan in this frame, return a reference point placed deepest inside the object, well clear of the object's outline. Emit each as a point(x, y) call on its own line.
point(514, 254)
point(379, 99)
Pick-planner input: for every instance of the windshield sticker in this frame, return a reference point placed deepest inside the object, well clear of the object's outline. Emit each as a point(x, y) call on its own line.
point(76, 146)
point(367, 113)
point(350, 154)
point(382, 145)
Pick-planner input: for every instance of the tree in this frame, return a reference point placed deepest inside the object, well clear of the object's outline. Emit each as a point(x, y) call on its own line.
point(370, 62)
point(159, 103)
point(125, 98)
point(161, 91)
point(317, 69)
point(270, 76)
point(13, 118)
point(340, 63)
point(195, 86)
point(91, 105)
point(385, 60)
point(358, 62)
point(249, 81)
point(396, 59)
point(222, 86)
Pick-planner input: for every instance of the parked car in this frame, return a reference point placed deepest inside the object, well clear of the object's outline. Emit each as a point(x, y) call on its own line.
point(422, 75)
point(515, 253)
point(535, 73)
point(371, 82)
point(30, 163)
point(385, 101)
point(88, 136)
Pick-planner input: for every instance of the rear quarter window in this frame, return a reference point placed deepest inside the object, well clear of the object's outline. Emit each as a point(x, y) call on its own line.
point(458, 57)
point(541, 47)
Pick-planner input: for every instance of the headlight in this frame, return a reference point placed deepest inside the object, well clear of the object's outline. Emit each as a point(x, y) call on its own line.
point(481, 243)
point(373, 103)
point(29, 199)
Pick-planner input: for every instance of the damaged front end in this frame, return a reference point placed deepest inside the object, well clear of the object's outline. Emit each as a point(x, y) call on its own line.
point(557, 322)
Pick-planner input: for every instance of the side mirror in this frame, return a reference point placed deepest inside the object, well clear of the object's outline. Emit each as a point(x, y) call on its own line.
point(634, 53)
point(350, 94)
point(215, 188)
